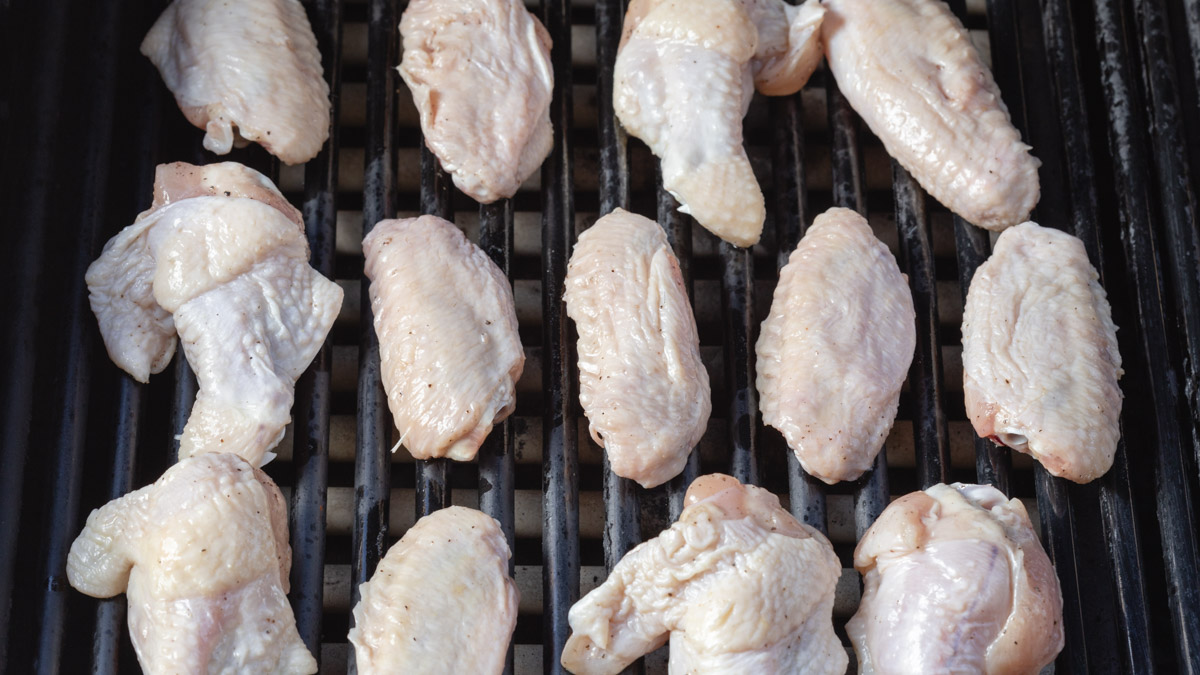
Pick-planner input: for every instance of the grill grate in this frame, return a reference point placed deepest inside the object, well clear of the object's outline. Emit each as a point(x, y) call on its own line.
point(1105, 91)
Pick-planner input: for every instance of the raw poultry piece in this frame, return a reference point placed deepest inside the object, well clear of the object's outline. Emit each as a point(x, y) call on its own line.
point(441, 600)
point(221, 258)
point(642, 384)
point(955, 581)
point(246, 71)
point(480, 75)
point(684, 76)
point(448, 340)
point(738, 584)
point(909, 69)
point(203, 558)
point(836, 347)
point(1040, 358)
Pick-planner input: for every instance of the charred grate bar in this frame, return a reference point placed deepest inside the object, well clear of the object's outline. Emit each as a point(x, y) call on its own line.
point(1103, 90)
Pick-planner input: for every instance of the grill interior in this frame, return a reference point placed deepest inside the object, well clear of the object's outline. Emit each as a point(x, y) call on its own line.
point(1105, 91)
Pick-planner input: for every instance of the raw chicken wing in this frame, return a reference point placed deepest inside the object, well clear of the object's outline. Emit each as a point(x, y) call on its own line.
point(480, 74)
point(220, 258)
point(1040, 359)
point(836, 347)
point(441, 600)
point(955, 581)
point(203, 557)
point(684, 76)
point(246, 71)
point(448, 339)
point(908, 68)
point(641, 382)
point(738, 585)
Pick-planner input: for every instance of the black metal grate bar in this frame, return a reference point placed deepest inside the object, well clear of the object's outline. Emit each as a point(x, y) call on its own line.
point(310, 448)
point(372, 465)
point(930, 429)
point(737, 306)
point(497, 482)
point(47, 68)
point(71, 423)
point(560, 450)
point(1176, 193)
point(1127, 126)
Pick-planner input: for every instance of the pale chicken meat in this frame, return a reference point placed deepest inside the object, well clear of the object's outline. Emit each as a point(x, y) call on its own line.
point(480, 75)
point(1040, 359)
point(221, 259)
point(246, 71)
point(448, 340)
point(955, 581)
point(203, 558)
point(835, 349)
point(642, 384)
point(441, 600)
point(737, 585)
point(910, 71)
point(684, 76)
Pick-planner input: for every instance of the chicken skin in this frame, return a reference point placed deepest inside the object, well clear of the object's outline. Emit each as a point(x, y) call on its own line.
point(642, 384)
point(737, 584)
point(955, 581)
point(441, 600)
point(220, 259)
point(836, 347)
point(480, 74)
point(448, 340)
point(246, 71)
point(1040, 359)
point(684, 76)
point(203, 558)
point(909, 70)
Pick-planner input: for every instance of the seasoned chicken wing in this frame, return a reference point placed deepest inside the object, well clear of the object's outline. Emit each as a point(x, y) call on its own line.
point(955, 581)
point(642, 384)
point(684, 76)
point(836, 347)
point(441, 600)
point(448, 339)
point(203, 557)
point(480, 74)
point(246, 71)
point(1040, 358)
point(908, 68)
point(738, 585)
point(220, 258)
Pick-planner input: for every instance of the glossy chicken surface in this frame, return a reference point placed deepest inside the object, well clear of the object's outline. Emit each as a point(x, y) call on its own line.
point(737, 584)
point(203, 558)
point(1040, 359)
point(246, 71)
point(642, 384)
point(441, 600)
point(684, 76)
point(910, 71)
point(448, 340)
point(836, 347)
point(220, 259)
point(480, 75)
point(955, 581)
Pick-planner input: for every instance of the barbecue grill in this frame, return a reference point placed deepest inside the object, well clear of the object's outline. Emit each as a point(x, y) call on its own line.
point(1106, 92)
